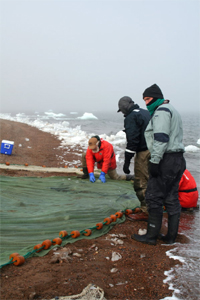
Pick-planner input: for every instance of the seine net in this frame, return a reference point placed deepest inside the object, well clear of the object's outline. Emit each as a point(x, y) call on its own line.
point(35, 209)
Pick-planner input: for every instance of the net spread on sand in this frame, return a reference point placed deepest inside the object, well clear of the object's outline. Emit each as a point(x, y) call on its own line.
point(35, 209)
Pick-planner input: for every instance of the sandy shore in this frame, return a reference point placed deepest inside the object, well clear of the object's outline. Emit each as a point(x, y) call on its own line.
point(140, 272)
point(36, 148)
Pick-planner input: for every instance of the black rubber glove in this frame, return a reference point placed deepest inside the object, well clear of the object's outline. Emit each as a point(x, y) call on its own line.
point(154, 169)
point(128, 157)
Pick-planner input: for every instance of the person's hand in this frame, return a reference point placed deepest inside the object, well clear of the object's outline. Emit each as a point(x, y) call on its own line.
point(102, 177)
point(128, 157)
point(126, 167)
point(92, 178)
point(154, 169)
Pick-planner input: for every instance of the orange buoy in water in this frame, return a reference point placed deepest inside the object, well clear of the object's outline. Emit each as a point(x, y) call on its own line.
point(46, 244)
point(38, 246)
point(75, 234)
point(119, 214)
point(87, 232)
point(108, 220)
point(44, 166)
point(63, 233)
point(7, 163)
point(57, 241)
point(18, 260)
point(26, 164)
point(99, 226)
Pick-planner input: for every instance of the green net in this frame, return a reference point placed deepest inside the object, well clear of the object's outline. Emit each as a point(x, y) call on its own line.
point(35, 209)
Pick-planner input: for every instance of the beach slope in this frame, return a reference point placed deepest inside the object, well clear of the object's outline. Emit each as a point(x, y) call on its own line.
point(138, 274)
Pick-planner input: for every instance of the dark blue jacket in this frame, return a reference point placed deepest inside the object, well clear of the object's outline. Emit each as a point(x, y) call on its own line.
point(135, 123)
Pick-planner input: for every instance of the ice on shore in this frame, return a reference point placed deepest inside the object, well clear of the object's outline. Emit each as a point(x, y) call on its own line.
point(87, 116)
point(192, 148)
point(52, 114)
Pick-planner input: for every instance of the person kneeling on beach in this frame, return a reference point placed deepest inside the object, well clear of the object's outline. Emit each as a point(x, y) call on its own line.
point(102, 152)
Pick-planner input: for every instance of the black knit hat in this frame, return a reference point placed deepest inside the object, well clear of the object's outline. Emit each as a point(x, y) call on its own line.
point(153, 91)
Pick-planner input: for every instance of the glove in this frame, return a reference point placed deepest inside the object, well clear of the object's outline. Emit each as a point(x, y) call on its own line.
point(154, 169)
point(92, 178)
point(128, 157)
point(102, 177)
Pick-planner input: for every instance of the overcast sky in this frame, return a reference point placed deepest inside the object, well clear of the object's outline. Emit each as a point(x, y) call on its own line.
point(85, 55)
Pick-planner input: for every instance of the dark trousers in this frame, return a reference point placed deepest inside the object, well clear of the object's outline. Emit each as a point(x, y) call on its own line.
point(163, 190)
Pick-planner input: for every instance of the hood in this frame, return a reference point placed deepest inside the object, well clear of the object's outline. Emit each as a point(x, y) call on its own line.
point(126, 105)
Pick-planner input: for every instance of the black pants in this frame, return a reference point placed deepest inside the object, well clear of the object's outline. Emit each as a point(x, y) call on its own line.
point(163, 190)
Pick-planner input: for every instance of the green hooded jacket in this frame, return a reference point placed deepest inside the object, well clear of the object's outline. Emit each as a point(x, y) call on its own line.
point(164, 133)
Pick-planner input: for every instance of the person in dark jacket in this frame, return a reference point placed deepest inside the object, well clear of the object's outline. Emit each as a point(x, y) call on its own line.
point(164, 135)
point(136, 120)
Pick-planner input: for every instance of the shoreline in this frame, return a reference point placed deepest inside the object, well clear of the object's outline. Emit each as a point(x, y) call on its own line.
point(143, 266)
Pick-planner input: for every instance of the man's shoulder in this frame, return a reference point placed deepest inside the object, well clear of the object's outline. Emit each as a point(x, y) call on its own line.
point(105, 143)
point(144, 111)
point(166, 107)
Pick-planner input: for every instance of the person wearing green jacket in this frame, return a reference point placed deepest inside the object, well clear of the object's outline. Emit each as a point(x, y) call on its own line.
point(164, 135)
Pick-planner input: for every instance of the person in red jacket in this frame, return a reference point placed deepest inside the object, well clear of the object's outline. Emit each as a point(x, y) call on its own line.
point(101, 152)
point(188, 193)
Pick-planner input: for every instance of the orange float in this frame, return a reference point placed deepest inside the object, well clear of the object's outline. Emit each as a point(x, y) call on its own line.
point(46, 244)
point(13, 255)
point(119, 214)
point(99, 226)
point(128, 211)
point(38, 246)
point(63, 233)
point(136, 210)
point(87, 232)
point(57, 241)
point(108, 220)
point(7, 163)
point(18, 260)
point(75, 234)
point(65, 166)
point(26, 164)
point(113, 217)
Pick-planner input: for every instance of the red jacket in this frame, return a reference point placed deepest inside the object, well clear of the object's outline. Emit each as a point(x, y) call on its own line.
point(188, 194)
point(105, 158)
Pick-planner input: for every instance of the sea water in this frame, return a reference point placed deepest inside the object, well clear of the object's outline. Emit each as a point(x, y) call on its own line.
point(75, 128)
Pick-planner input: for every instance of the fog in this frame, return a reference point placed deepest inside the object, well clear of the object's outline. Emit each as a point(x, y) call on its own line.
point(86, 55)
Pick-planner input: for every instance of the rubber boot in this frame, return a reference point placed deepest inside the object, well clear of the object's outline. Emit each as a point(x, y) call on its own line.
point(173, 223)
point(153, 228)
point(85, 174)
point(130, 177)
